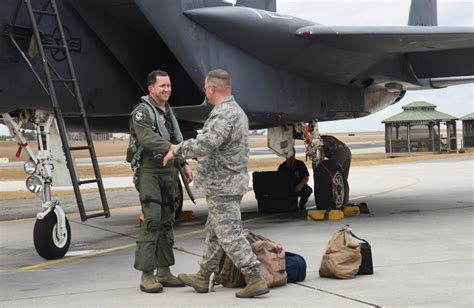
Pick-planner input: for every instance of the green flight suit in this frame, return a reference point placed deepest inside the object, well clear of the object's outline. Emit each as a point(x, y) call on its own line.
point(157, 186)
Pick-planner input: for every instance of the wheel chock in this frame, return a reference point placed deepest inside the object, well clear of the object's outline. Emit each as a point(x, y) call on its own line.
point(335, 215)
point(316, 214)
point(351, 210)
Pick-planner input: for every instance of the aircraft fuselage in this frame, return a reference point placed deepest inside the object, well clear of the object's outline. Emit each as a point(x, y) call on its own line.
point(114, 47)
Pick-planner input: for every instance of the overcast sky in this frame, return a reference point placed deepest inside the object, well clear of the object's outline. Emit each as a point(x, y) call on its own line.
point(457, 100)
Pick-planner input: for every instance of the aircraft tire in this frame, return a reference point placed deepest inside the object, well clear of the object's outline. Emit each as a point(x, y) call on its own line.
point(46, 243)
point(178, 205)
point(327, 195)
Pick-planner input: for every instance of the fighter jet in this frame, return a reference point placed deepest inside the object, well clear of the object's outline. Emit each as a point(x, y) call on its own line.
point(95, 54)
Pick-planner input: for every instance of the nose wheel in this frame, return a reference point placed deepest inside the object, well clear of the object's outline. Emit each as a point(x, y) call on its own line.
point(49, 243)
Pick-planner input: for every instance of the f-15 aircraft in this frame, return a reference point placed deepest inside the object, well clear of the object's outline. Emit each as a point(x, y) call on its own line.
point(82, 64)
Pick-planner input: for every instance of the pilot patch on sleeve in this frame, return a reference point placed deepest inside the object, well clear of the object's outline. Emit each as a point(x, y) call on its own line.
point(138, 116)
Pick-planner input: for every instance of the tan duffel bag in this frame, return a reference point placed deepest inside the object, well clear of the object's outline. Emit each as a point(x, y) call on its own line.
point(272, 258)
point(342, 257)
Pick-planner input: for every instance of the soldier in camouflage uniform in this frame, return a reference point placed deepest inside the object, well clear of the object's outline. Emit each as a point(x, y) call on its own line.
point(153, 128)
point(222, 152)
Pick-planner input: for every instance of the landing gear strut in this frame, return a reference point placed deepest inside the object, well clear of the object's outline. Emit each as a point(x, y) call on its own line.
point(331, 160)
point(52, 233)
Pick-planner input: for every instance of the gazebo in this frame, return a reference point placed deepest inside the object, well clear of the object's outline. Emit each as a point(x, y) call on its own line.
point(416, 130)
point(468, 131)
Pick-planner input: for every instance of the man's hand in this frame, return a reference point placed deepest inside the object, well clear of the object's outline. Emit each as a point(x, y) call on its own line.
point(170, 154)
point(188, 174)
point(298, 187)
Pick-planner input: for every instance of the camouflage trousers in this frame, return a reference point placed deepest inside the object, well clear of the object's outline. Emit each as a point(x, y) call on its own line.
point(155, 241)
point(224, 234)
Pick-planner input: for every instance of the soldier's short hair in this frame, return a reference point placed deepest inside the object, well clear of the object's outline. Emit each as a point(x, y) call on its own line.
point(220, 78)
point(151, 79)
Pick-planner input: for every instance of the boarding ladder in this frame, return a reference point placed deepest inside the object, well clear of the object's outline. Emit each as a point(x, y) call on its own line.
point(50, 9)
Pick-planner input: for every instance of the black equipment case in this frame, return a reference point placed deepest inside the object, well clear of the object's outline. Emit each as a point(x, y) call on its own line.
point(272, 192)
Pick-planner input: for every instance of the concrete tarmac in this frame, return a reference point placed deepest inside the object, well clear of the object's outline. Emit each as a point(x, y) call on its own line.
point(420, 229)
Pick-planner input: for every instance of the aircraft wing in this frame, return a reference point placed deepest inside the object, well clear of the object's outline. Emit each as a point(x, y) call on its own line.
point(390, 38)
point(343, 54)
point(432, 51)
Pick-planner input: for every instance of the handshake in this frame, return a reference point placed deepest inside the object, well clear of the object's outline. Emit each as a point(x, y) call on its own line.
point(170, 154)
point(188, 173)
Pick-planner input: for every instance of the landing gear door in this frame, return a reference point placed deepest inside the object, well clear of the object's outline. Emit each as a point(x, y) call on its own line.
point(280, 140)
point(61, 176)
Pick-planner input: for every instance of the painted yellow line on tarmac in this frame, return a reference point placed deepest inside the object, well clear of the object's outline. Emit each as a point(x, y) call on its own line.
point(16, 220)
point(69, 259)
point(11, 270)
point(38, 266)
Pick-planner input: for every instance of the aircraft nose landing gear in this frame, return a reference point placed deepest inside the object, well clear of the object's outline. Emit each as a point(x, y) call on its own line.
point(50, 237)
point(52, 233)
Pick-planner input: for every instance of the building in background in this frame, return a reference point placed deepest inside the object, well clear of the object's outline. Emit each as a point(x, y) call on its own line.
point(468, 131)
point(417, 130)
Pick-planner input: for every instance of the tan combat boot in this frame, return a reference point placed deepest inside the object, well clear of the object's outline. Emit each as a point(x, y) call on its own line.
point(199, 281)
point(149, 284)
point(255, 286)
point(169, 280)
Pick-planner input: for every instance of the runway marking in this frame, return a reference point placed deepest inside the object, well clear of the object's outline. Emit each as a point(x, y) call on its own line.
point(12, 270)
point(69, 259)
point(16, 220)
point(36, 267)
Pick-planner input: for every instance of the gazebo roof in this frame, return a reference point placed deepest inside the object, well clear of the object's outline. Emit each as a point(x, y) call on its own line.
point(419, 105)
point(419, 112)
point(468, 117)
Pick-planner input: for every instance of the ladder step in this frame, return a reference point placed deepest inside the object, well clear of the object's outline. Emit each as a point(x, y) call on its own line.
point(78, 148)
point(88, 181)
point(62, 80)
point(54, 47)
point(72, 115)
point(106, 214)
point(39, 12)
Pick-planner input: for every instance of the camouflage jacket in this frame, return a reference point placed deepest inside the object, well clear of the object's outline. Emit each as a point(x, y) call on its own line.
point(221, 150)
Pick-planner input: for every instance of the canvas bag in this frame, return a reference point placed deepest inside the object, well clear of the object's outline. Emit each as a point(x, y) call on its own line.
point(272, 258)
point(229, 275)
point(342, 257)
